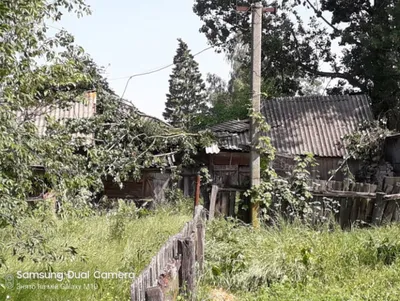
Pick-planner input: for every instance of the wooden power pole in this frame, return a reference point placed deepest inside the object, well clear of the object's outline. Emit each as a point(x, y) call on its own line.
point(257, 14)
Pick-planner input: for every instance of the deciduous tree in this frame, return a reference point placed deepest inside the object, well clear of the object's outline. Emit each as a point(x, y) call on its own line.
point(355, 42)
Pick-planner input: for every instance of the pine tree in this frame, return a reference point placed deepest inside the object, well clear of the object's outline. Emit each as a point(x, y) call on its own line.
point(186, 99)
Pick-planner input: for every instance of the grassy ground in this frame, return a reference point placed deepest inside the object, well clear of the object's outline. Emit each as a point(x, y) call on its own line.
point(123, 242)
point(297, 263)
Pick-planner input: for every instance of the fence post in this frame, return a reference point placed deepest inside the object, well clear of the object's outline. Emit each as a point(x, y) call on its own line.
point(214, 192)
point(201, 233)
point(187, 271)
point(378, 209)
point(154, 294)
point(197, 194)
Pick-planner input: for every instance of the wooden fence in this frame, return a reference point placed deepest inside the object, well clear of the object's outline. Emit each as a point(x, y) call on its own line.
point(174, 269)
point(358, 202)
point(362, 203)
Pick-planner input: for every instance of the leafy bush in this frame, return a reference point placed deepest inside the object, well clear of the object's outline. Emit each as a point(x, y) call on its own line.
point(366, 145)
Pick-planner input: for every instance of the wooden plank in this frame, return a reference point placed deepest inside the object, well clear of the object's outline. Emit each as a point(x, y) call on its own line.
point(228, 189)
point(388, 212)
point(346, 194)
point(347, 185)
point(342, 212)
point(154, 294)
point(133, 292)
point(356, 203)
point(201, 234)
point(226, 168)
point(362, 209)
point(169, 281)
point(396, 213)
point(187, 270)
point(224, 203)
point(232, 201)
point(378, 209)
point(213, 199)
point(392, 197)
point(389, 187)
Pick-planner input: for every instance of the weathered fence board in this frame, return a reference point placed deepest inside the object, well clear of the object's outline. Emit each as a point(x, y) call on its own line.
point(359, 202)
point(161, 280)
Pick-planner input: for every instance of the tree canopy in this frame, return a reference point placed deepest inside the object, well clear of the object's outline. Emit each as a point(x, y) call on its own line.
point(76, 155)
point(186, 98)
point(353, 42)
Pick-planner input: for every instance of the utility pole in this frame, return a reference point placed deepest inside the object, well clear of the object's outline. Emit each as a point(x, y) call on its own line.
point(256, 99)
point(257, 13)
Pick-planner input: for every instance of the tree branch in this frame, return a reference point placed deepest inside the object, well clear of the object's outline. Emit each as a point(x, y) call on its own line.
point(319, 15)
point(347, 76)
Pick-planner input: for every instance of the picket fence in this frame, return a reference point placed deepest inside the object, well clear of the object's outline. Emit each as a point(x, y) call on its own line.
point(175, 268)
point(360, 203)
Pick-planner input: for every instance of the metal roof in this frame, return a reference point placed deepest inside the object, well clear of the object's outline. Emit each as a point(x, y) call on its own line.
point(233, 126)
point(76, 110)
point(84, 109)
point(299, 125)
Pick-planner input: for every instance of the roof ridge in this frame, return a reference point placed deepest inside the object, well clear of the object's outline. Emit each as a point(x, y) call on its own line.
point(333, 98)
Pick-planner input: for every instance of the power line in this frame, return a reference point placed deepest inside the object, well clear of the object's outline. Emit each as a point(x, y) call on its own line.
point(151, 72)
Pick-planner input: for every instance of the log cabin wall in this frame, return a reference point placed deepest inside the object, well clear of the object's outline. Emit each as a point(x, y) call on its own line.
point(152, 185)
point(230, 169)
point(322, 171)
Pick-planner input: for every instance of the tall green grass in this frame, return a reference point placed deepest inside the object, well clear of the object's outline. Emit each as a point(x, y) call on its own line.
point(122, 241)
point(295, 262)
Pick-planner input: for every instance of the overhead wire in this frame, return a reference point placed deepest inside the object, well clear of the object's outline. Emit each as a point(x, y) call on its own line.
point(129, 77)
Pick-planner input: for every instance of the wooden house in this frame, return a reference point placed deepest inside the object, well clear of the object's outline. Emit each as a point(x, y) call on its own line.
point(299, 125)
point(153, 182)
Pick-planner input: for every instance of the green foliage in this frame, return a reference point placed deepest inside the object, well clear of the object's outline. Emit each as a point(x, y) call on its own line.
point(118, 143)
point(84, 244)
point(186, 98)
point(297, 47)
point(289, 196)
point(232, 101)
point(27, 84)
point(294, 262)
point(366, 144)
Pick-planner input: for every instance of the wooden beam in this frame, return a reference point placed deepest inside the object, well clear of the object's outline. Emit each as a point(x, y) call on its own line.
point(154, 294)
point(392, 197)
point(213, 200)
point(345, 194)
point(197, 194)
point(201, 240)
point(224, 204)
point(231, 189)
point(378, 209)
point(187, 275)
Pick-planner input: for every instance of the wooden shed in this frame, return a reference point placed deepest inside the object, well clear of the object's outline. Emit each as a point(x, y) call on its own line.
point(154, 180)
point(299, 125)
point(152, 186)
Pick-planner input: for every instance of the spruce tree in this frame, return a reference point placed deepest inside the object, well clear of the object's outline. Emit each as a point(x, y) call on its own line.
point(186, 99)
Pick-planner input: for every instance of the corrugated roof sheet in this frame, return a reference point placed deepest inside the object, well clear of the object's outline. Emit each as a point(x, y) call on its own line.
point(301, 125)
point(77, 110)
point(233, 126)
point(85, 109)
